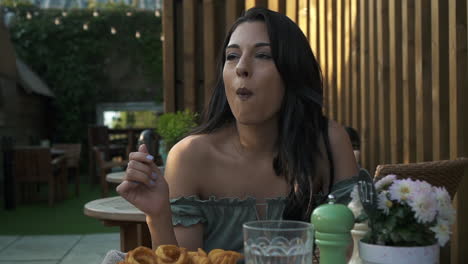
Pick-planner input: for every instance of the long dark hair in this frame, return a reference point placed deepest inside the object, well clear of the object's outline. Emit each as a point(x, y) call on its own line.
point(301, 121)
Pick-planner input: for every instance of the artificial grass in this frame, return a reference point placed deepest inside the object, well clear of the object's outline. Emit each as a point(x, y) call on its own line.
point(65, 217)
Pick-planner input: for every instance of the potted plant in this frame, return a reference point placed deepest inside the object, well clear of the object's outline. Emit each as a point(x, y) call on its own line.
point(172, 127)
point(408, 220)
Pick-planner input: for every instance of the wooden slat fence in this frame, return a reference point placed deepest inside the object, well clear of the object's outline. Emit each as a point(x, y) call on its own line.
point(395, 70)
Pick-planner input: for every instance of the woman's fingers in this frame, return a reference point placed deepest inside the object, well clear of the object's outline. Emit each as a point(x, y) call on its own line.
point(125, 186)
point(139, 166)
point(146, 159)
point(138, 176)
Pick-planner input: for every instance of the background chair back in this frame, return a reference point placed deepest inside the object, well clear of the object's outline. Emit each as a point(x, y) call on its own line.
point(72, 156)
point(32, 164)
point(72, 153)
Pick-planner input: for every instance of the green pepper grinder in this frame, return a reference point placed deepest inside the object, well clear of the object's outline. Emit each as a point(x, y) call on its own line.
point(332, 223)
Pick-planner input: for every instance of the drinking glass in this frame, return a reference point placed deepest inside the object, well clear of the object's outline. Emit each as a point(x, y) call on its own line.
point(278, 242)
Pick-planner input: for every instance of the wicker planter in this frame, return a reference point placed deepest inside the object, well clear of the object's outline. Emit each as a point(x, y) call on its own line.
point(376, 254)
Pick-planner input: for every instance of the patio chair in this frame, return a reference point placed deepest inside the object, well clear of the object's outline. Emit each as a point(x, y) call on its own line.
point(446, 173)
point(72, 155)
point(34, 166)
point(104, 167)
point(99, 136)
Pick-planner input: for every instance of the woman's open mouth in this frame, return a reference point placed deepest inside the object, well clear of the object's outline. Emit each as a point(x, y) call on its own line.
point(244, 93)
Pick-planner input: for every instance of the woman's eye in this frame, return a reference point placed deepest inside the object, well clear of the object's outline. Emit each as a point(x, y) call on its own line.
point(231, 56)
point(263, 56)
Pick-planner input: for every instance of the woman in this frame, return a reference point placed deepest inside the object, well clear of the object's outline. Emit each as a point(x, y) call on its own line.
point(264, 150)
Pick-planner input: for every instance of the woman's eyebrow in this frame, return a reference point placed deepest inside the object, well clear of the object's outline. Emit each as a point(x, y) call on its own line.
point(259, 44)
point(233, 46)
point(262, 44)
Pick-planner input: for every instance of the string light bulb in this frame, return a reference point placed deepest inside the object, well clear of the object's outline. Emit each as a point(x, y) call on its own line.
point(57, 21)
point(64, 14)
point(137, 35)
point(157, 13)
point(129, 14)
point(113, 31)
point(162, 37)
point(85, 27)
point(28, 16)
point(95, 14)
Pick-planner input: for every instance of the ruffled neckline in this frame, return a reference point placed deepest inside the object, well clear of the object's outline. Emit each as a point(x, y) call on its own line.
point(212, 199)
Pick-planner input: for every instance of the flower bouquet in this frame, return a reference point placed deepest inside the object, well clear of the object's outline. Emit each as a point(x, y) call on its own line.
point(403, 213)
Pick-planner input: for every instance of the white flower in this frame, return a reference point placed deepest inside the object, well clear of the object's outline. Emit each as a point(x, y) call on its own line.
point(424, 206)
point(446, 211)
point(422, 187)
point(385, 181)
point(355, 193)
point(442, 232)
point(384, 203)
point(355, 205)
point(401, 190)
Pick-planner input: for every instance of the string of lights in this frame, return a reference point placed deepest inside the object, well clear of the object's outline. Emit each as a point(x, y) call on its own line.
point(86, 25)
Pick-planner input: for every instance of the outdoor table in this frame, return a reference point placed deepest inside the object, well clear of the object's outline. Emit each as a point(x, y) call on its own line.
point(116, 211)
point(115, 177)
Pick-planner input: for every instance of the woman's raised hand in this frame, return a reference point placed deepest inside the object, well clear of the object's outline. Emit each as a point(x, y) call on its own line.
point(144, 185)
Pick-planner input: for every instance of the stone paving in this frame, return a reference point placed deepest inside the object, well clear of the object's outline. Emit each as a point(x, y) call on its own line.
point(57, 249)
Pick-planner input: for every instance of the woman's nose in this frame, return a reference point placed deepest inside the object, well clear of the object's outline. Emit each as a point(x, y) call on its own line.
point(242, 69)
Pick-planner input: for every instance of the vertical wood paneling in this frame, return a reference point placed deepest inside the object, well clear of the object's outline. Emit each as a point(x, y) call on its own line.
point(458, 111)
point(291, 10)
point(347, 62)
point(423, 80)
point(356, 89)
point(255, 3)
point(364, 79)
point(383, 80)
point(394, 15)
point(331, 59)
point(408, 73)
point(322, 10)
point(234, 9)
point(168, 56)
point(209, 44)
point(303, 17)
point(277, 5)
point(373, 106)
point(339, 61)
point(435, 55)
point(249, 4)
point(189, 54)
point(444, 80)
point(314, 27)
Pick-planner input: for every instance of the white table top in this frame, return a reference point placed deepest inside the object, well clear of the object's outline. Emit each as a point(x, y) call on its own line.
point(114, 208)
point(117, 177)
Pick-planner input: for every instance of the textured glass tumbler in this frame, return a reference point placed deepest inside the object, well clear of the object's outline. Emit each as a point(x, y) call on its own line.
point(278, 242)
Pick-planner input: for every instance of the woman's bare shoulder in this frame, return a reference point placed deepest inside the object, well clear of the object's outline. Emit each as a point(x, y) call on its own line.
point(187, 164)
point(344, 161)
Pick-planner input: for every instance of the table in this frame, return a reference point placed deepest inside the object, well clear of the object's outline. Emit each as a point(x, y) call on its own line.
point(116, 211)
point(115, 177)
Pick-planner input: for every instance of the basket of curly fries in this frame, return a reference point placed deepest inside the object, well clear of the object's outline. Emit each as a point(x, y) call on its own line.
point(171, 254)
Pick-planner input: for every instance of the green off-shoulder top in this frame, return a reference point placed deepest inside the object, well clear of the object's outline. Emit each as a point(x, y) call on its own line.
point(223, 218)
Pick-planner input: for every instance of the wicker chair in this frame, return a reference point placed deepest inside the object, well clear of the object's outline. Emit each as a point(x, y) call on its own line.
point(446, 173)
